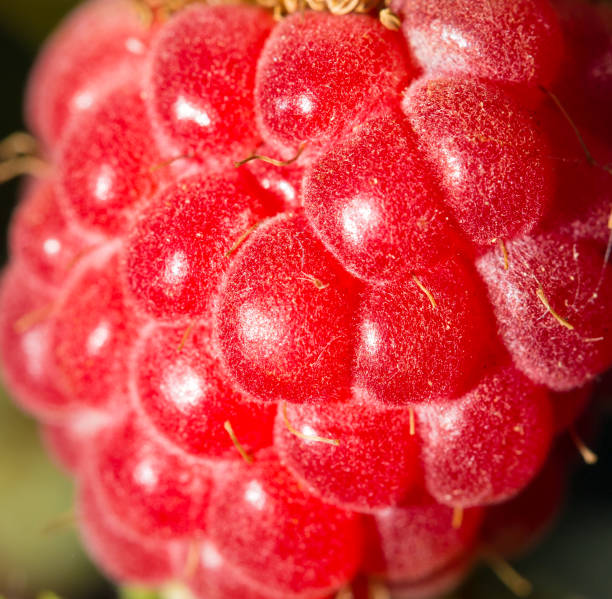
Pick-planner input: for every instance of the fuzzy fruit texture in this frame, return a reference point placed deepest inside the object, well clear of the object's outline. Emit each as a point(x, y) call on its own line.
point(306, 303)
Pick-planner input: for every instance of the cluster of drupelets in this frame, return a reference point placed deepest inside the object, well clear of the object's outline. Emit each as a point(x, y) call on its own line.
point(306, 302)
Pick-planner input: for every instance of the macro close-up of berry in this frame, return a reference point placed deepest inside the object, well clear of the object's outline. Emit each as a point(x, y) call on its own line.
point(311, 298)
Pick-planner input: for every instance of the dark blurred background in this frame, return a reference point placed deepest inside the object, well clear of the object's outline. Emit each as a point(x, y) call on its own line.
point(575, 562)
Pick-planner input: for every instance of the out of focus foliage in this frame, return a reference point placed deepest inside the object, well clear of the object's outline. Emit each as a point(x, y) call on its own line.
point(38, 544)
point(29, 21)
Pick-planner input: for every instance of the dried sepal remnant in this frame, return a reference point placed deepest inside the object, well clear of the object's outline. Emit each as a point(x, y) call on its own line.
point(192, 559)
point(159, 10)
point(457, 520)
point(185, 337)
point(227, 425)
point(305, 437)
point(562, 321)
point(168, 5)
point(412, 427)
point(22, 165)
point(272, 161)
point(578, 134)
point(320, 285)
point(515, 582)
point(19, 155)
point(587, 454)
point(32, 318)
point(504, 253)
point(377, 589)
point(241, 239)
point(19, 143)
point(336, 7)
point(426, 291)
point(345, 593)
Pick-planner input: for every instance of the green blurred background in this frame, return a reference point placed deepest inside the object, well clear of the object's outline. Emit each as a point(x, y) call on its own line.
point(575, 562)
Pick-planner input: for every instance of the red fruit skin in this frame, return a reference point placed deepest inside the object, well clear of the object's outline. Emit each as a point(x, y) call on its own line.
point(374, 464)
point(587, 29)
point(512, 528)
point(184, 241)
point(92, 326)
point(316, 92)
point(107, 162)
point(42, 240)
point(68, 442)
point(285, 314)
point(384, 216)
point(578, 178)
point(124, 557)
point(215, 578)
point(99, 43)
point(156, 491)
point(568, 406)
point(410, 351)
point(304, 546)
point(438, 584)
point(515, 41)
point(587, 219)
point(492, 161)
point(487, 445)
point(577, 285)
point(200, 81)
point(180, 389)
point(407, 544)
point(26, 347)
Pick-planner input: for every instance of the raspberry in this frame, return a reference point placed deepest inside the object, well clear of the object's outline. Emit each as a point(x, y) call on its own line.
point(168, 494)
point(99, 43)
point(91, 324)
point(358, 65)
point(317, 546)
point(192, 223)
point(551, 307)
point(493, 163)
point(436, 585)
point(588, 36)
point(308, 306)
point(383, 218)
point(588, 219)
point(489, 442)
point(66, 441)
point(507, 40)
point(200, 78)
point(180, 389)
point(26, 349)
point(281, 179)
point(122, 555)
point(423, 338)
point(373, 461)
point(284, 320)
point(106, 161)
point(43, 240)
point(569, 405)
point(407, 544)
point(215, 578)
point(511, 528)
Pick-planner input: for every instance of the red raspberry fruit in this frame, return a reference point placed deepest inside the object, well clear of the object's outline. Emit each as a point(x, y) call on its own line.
point(303, 305)
point(407, 544)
